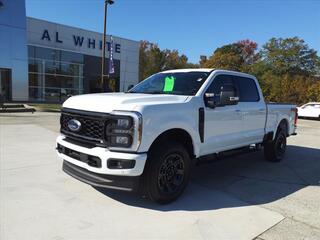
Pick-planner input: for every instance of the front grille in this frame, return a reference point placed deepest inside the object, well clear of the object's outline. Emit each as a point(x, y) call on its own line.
point(92, 126)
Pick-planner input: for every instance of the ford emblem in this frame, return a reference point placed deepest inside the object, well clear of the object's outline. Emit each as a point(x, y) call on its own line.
point(74, 125)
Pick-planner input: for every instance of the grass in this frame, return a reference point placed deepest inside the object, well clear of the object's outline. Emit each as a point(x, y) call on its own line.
point(47, 107)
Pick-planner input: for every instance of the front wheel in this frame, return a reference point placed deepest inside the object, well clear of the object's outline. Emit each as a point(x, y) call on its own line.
point(167, 172)
point(274, 151)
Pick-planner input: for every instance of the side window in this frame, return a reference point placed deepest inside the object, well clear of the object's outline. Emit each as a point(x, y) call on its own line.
point(218, 82)
point(309, 106)
point(248, 89)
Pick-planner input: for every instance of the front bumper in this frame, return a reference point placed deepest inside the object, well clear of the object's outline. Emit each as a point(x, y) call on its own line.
point(124, 183)
point(104, 155)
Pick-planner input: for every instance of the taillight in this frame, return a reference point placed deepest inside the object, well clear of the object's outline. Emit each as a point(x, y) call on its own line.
point(295, 116)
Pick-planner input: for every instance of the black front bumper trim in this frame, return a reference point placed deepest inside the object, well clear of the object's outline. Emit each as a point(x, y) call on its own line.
point(124, 183)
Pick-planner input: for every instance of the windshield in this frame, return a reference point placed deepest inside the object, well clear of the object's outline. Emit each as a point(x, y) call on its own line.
point(178, 83)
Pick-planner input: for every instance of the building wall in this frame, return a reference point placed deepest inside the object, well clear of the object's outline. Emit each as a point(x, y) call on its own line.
point(52, 35)
point(13, 46)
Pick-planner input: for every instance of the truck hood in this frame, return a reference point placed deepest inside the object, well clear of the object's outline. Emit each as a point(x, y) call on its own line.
point(108, 102)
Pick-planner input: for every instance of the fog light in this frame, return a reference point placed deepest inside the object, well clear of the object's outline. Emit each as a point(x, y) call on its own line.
point(121, 164)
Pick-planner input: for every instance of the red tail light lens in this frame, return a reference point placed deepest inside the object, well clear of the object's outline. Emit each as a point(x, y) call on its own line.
point(295, 116)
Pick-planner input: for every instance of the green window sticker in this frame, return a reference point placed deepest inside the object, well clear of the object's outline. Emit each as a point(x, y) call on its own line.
point(169, 84)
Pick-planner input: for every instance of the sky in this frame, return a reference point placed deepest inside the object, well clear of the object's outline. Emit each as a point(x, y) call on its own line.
point(193, 27)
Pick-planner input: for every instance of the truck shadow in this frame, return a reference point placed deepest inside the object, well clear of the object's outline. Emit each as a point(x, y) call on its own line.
point(239, 181)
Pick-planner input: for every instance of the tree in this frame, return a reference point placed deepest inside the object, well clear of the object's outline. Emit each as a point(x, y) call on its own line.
point(313, 92)
point(236, 56)
point(290, 56)
point(286, 68)
point(153, 60)
point(203, 60)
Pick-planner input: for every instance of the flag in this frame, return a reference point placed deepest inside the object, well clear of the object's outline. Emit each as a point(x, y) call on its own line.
point(111, 65)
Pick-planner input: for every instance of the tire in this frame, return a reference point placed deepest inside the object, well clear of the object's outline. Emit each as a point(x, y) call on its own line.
point(274, 151)
point(167, 172)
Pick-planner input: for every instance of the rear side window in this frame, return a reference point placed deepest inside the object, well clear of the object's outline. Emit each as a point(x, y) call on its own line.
point(247, 88)
point(312, 106)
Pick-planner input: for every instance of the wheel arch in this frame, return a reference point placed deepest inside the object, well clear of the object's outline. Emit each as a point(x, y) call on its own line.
point(177, 134)
point(285, 124)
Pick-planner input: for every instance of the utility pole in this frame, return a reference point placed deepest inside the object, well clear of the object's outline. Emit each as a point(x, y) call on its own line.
point(103, 84)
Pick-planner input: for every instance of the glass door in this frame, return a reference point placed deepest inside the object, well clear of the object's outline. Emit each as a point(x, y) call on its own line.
point(5, 85)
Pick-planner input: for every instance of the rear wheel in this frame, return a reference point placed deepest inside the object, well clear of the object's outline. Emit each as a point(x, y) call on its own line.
point(167, 172)
point(274, 151)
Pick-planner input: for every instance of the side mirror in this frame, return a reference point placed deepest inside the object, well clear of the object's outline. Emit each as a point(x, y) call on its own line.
point(209, 100)
point(130, 86)
point(228, 95)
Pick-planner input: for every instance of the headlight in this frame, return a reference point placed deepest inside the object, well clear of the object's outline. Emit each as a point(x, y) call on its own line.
point(124, 131)
point(123, 123)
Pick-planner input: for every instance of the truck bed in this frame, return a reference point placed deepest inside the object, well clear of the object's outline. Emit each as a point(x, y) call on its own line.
point(278, 111)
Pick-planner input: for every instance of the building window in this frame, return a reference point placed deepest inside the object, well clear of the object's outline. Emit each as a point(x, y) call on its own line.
point(54, 75)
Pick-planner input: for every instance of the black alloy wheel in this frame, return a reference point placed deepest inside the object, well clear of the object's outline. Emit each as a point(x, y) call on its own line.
point(167, 171)
point(281, 144)
point(171, 173)
point(274, 151)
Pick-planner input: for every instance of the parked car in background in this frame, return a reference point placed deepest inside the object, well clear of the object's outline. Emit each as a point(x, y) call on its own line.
point(310, 110)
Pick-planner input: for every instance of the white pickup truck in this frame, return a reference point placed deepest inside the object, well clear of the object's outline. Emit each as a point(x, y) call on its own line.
point(148, 139)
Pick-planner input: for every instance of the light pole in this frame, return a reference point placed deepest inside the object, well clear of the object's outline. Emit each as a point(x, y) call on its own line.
point(103, 84)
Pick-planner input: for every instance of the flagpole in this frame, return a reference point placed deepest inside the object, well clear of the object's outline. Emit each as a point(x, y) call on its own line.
point(103, 84)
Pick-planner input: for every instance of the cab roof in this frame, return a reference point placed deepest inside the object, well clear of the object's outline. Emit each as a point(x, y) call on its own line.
point(208, 70)
point(189, 70)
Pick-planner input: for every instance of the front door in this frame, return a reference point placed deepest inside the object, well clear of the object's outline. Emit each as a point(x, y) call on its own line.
point(5, 84)
point(223, 124)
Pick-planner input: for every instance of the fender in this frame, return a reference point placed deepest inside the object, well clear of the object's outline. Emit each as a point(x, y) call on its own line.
point(149, 138)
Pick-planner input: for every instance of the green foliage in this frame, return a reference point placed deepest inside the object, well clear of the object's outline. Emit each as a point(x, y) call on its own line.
point(286, 68)
point(153, 60)
point(290, 56)
point(313, 92)
point(237, 56)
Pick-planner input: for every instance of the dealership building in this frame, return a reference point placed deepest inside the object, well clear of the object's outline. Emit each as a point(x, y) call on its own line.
point(47, 62)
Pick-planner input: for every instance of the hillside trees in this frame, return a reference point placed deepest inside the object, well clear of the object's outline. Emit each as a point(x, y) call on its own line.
point(287, 68)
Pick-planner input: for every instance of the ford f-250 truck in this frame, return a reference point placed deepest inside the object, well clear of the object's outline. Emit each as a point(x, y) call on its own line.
point(149, 138)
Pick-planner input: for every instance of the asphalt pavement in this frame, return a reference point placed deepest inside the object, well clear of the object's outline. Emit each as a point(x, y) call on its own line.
point(243, 197)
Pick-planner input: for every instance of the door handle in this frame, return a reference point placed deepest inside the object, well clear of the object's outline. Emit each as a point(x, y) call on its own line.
point(238, 110)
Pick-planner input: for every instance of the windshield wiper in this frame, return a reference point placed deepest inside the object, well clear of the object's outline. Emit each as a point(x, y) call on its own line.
point(156, 92)
point(152, 92)
point(138, 92)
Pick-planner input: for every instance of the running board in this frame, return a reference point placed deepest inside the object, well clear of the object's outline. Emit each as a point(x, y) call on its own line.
point(227, 154)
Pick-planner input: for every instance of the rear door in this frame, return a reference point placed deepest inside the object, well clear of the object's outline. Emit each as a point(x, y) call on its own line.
point(253, 109)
